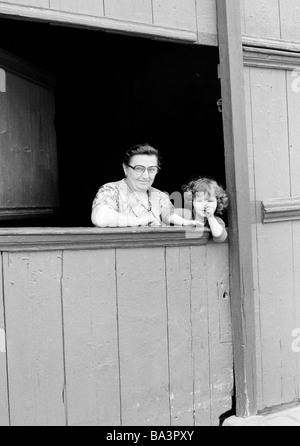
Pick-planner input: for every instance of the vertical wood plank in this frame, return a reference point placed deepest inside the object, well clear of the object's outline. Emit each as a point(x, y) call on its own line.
point(290, 20)
point(200, 325)
point(142, 313)
point(91, 338)
point(262, 18)
point(293, 110)
point(296, 308)
point(206, 11)
point(293, 102)
point(269, 109)
point(34, 338)
point(182, 380)
point(236, 163)
point(254, 219)
point(243, 18)
point(131, 10)
point(276, 290)
point(4, 413)
point(220, 353)
point(277, 318)
point(175, 14)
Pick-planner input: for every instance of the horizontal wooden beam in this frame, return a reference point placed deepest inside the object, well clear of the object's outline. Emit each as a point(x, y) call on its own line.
point(270, 58)
point(50, 239)
point(26, 70)
point(7, 214)
point(275, 44)
point(281, 209)
point(101, 23)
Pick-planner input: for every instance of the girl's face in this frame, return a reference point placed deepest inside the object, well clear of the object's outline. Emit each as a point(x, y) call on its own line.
point(205, 204)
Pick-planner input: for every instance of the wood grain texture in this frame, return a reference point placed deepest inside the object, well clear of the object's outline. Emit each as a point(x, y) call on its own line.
point(200, 342)
point(220, 360)
point(181, 336)
point(275, 289)
point(88, 7)
point(85, 17)
point(274, 44)
point(206, 14)
point(254, 219)
point(28, 147)
point(35, 3)
point(143, 337)
point(125, 337)
point(293, 107)
point(201, 335)
point(45, 239)
point(290, 20)
point(270, 58)
point(237, 178)
point(34, 337)
point(4, 410)
point(262, 18)
point(179, 14)
point(130, 10)
point(270, 133)
point(293, 110)
point(282, 209)
point(91, 338)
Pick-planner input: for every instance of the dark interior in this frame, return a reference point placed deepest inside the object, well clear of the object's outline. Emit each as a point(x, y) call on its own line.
point(114, 91)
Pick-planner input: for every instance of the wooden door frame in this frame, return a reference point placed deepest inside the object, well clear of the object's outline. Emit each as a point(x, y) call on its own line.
point(237, 179)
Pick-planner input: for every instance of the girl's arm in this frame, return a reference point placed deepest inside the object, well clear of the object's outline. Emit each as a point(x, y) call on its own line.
point(218, 230)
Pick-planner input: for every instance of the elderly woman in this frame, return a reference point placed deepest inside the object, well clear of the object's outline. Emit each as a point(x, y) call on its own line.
point(133, 201)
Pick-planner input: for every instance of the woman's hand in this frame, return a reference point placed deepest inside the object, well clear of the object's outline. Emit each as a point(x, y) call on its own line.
point(192, 223)
point(147, 220)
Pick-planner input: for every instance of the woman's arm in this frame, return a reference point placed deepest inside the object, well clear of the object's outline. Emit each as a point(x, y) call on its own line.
point(103, 216)
point(180, 217)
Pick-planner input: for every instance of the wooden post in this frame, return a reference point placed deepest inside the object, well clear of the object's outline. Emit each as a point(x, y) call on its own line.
point(236, 161)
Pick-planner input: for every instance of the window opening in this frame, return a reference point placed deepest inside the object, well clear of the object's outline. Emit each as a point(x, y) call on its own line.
point(114, 91)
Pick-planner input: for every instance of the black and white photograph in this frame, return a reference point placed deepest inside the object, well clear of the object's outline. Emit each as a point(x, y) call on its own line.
point(149, 215)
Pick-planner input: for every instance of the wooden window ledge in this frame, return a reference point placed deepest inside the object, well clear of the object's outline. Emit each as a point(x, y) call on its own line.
point(50, 239)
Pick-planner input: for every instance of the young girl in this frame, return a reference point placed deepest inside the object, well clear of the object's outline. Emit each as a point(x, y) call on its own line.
point(204, 198)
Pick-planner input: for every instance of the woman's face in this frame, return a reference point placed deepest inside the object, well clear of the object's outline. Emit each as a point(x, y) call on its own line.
point(140, 182)
point(203, 202)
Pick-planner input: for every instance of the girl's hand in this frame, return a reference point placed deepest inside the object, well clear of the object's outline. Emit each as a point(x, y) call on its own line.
point(192, 223)
point(210, 210)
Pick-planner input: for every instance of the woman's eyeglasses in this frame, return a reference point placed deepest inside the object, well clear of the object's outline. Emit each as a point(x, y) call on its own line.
point(140, 170)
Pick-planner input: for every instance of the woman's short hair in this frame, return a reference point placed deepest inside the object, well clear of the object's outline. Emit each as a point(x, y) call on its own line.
point(207, 185)
point(142, 149)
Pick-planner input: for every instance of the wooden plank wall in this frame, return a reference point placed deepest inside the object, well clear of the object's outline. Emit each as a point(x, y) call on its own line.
point(272, 19)
point(197, 16)
point(116, 337)
point(273, 141)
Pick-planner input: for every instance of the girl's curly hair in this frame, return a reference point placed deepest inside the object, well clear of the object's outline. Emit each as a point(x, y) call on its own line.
point(204, 184)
